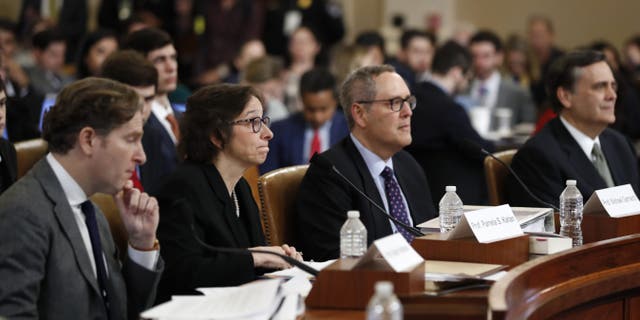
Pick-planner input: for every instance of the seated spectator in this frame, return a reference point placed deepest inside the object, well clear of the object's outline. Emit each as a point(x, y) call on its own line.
point(314, 130)
point(303, 48)
point(48, 51)
point(415, 56)
point(95, 48)
point(265, 74)
point(250, 50)
point(225, 132)
point(378, 106)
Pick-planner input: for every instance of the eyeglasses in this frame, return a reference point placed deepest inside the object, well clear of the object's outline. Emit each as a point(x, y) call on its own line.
point(395, 103)
point(256, 123)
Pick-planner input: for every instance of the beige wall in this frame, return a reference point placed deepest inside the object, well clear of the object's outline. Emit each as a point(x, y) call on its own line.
point(9, 9)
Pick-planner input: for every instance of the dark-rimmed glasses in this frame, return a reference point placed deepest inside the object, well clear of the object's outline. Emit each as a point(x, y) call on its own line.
point(395, 104)
point(256, 123)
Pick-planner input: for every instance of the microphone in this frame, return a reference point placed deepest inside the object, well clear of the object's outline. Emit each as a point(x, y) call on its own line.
point(325, 163)
point(524, 186)
point(181, 203)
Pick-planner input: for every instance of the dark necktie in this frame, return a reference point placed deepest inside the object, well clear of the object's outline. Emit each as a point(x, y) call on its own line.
point(396, 205)
point(94, 234)
point(316, 144)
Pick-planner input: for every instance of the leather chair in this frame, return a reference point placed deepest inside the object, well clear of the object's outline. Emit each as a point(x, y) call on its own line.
point(251, 175)
point(110, 210)
point(278, 191)
point(496, 174)
point(28, 153)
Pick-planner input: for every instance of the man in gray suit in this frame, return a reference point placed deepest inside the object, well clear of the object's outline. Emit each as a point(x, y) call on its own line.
point(489, 88)
point(57, 256)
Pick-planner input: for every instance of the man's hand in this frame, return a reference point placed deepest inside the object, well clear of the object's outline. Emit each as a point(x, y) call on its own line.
point(139, 213)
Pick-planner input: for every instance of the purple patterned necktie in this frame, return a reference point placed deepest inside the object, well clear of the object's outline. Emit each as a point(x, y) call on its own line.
point(394, 199)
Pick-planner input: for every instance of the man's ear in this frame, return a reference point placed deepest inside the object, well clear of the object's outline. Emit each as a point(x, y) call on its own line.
point(359, 115)
point(87, 140)
point(564, 96)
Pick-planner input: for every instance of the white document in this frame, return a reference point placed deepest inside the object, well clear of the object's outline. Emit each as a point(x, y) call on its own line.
point(488, 225)
point(255, 300)
point(618, 202)
point(295, 271)
point(395, 251)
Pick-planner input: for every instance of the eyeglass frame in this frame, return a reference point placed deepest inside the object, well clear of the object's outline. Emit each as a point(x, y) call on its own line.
point(264, 120)
point(391, 101)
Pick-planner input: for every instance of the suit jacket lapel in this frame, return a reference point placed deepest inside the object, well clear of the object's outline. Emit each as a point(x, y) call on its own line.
point(381, 224)
point(220, 190)
point(297, 140)
point(64, 215)
point(584, 169)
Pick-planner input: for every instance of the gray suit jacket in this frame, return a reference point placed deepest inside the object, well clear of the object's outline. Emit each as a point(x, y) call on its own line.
point(45, 269)
point(512, 96)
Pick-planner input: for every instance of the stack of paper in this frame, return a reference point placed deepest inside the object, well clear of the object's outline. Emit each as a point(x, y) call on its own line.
point(441, 275)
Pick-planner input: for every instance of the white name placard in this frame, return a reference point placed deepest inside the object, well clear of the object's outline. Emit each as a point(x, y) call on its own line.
point(488, 225)
point(620, 201)
point(396, 252)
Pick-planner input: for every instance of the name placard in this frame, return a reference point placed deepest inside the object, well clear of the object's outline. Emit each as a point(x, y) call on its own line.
point(395, 251)
point(620, 201)
point(488, 225)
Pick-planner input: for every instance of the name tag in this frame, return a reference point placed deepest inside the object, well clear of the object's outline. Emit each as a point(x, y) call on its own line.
point(618, 202)
point(487, 225)
point(395, 251)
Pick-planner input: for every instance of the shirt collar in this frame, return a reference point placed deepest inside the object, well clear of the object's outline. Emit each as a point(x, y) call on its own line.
point(584, 141)
point(374, 163)
point(72, 190)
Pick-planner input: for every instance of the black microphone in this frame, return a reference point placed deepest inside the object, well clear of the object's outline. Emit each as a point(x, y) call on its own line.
point(181, 203)
point(325, 163)
point(524, 186)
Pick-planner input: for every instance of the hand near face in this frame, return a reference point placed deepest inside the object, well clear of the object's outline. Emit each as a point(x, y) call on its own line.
point(139, 213)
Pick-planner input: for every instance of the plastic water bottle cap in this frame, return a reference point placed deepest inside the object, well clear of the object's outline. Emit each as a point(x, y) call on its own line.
point(572, 182)
point(384, 288)
point(353, 214)
point(450, 188)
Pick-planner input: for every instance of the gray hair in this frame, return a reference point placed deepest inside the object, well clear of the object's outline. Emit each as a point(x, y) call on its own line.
point(360, 85)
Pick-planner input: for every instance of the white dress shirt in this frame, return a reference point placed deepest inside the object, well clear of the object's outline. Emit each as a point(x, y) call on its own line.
point(375, 165)
point(584, 141)
point(323, 131)
point(76, 196)
point(491, 85)
point(161, 108)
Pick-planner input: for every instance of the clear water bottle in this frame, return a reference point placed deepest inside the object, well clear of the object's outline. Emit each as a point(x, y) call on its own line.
point(384, 305)
point(450, 209)
point(571, 213)
point(353, 236)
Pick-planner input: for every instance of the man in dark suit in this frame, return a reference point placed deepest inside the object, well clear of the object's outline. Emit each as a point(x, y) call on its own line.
point(318, 127)
point(577, 144)
point(490, 89)
point(378, 107)
point(444, 142)
point(161, 131)
point(57, 256)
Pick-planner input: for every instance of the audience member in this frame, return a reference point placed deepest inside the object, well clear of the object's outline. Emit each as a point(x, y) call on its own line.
point(303, 49)
point(95, 48)
point(373, 42)
point(225, 132)
point(314, 130)
point(265, 74)
point(540, 33)
point(444, 142)
point(250, 50)
point(517, 62)
point(490, 89)
point(162, 129)
point(378, 106)
point(577, 144)
point(8, 161)
point(16, 80)
point(415, 56)
point(48, 51)
point(55, 244)
point(132, 69)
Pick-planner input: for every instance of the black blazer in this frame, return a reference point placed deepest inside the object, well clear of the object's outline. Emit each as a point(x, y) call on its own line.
point(552, 156)
point(324, 199)
point(8, 165)
point(447, 146)
point(196, 194)
point(162, 155)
